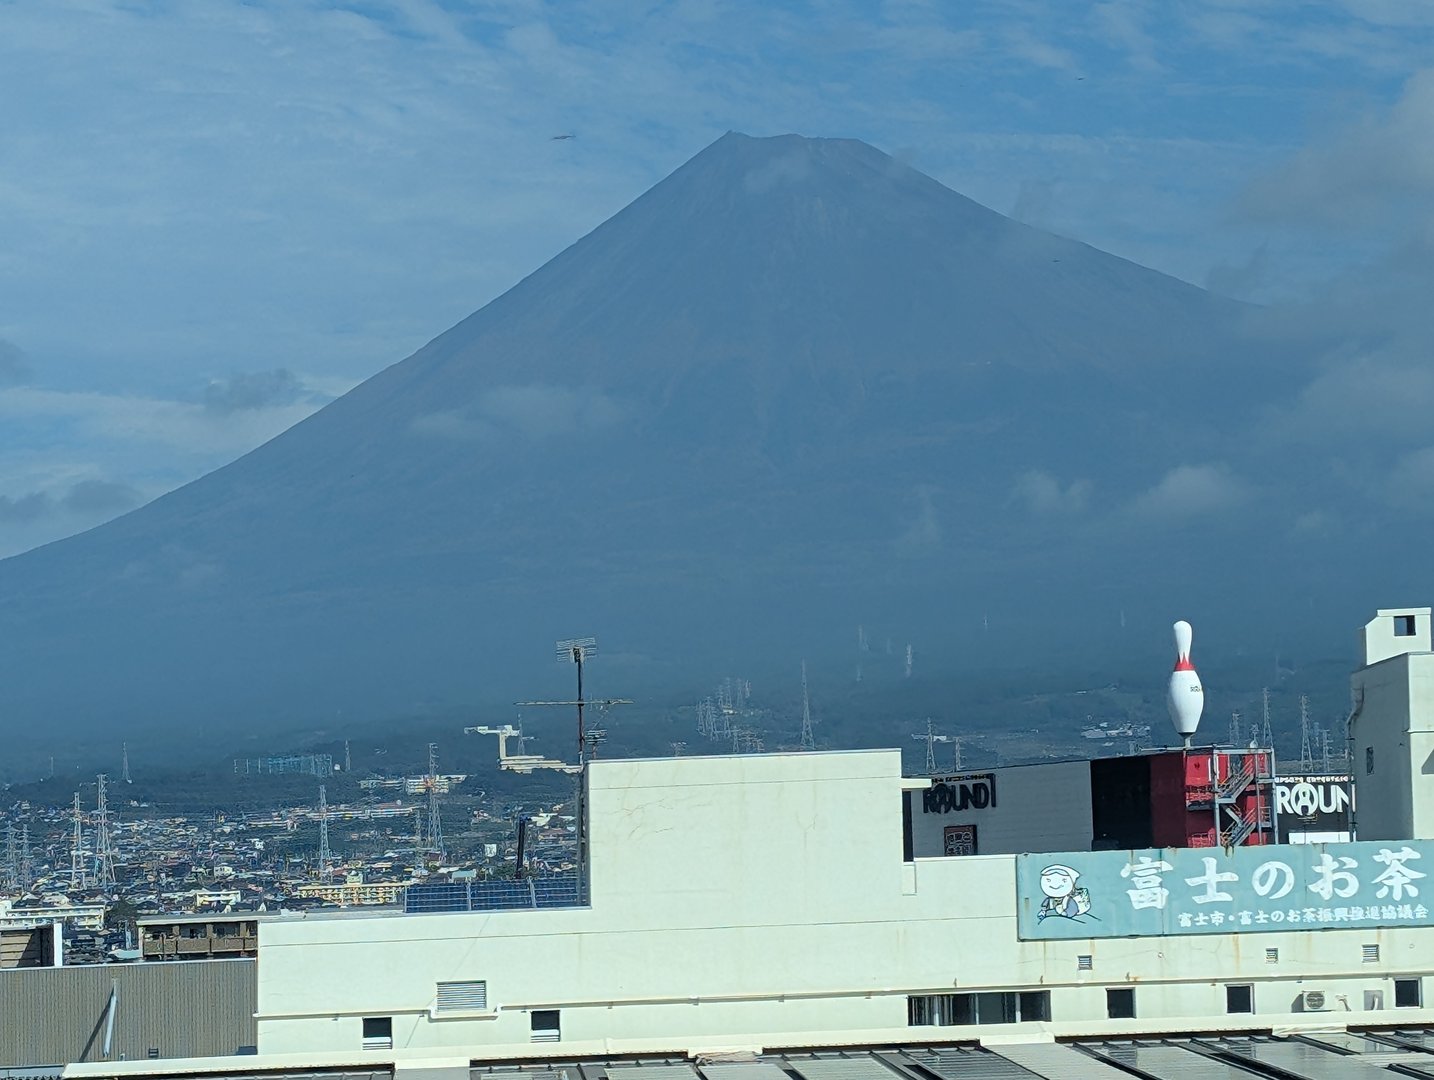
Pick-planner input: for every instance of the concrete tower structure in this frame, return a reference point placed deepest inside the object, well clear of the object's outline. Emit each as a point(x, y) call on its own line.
point(1392, 727)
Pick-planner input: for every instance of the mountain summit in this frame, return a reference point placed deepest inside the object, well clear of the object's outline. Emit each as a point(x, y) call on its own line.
point(795, 385)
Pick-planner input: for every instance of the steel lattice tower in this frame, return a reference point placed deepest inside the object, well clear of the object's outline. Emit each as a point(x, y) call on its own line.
point(27, 866)
point(1267, 739)
point(326, 870)
point(104, 852)
point(77, 848)
point(12, 859)
point(1306, 749)
point(808, 740)
point(1235, 728)
point(124, 763)
point(435, 818)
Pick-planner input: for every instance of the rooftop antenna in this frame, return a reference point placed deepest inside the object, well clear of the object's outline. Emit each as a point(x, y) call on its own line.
point(930, 738)
point(909, 655)
point(124, 763)
point(1235, 728)
point(1306, 750)
point(1267, 740)
point(77, 848)
point(435, 818)
point(808, 741)
point(104, 852)
point(326, 869)
point(578, 650)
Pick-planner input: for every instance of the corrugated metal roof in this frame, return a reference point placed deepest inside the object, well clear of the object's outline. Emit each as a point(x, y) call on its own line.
point(192, 1008)
point(967, 1063)
point(1169, 1061)
point(841, 1067)
point(1302, 1059)
point(743, 1070)
point(1052, 1061)
point(660, 1071)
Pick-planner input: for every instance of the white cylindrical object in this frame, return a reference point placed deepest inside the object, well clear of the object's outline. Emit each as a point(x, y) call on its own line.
point(1187, 696)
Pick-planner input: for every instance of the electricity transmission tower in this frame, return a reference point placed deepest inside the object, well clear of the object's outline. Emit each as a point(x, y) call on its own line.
point(12, 859)
point(1267, 739)
point(808, 740)
point(124, 763)
point(930, 738)
point(435, 818)
point(1235, 728)
point(104, 850)
point(77, 848)
point(27, 865)
point(1306, 747)
point(326, 869)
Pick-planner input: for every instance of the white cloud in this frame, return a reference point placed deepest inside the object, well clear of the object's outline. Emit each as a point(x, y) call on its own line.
point(1041, 493)
point(1192, 491)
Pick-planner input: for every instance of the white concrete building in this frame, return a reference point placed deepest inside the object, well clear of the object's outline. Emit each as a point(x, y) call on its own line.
point(1392, 731)
point(764, 900)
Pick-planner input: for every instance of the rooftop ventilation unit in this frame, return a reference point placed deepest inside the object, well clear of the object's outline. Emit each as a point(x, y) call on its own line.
point(1312, 1001)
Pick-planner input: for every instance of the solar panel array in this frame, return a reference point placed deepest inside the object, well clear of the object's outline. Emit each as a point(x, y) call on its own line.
point(547, 891)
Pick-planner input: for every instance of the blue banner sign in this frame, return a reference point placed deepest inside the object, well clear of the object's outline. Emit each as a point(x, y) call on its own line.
point(1101, 894)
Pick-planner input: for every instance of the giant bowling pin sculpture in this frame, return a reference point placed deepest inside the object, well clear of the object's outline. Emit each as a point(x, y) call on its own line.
point(1187, 696)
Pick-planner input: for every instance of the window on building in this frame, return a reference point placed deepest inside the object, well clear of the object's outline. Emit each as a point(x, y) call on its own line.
point(378, 1033)
point(1408, 993)
point(1240, 998)
point(1369, 761)
point(1272, 956)
point(470, 996)
point(1371, 954)
point(545, 1025)
point(1083, 962)
point(1120, 1002)
point(945, 1010)
point(1404, 626)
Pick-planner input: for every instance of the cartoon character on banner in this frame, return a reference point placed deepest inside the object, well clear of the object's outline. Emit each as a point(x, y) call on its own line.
point(1062, 896)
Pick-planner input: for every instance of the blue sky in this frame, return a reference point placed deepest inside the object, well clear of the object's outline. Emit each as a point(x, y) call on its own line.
point(216, 216)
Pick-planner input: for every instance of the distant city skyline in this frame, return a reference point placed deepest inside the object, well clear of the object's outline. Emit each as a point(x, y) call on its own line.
point(218, 218)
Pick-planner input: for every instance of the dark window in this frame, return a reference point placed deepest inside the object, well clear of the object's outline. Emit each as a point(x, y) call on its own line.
point(1408, 993)
point(152, 1052)
point(1120, 1002)
point(1404, 626)
point(378, 1033)
point(545, 1025)
point(1369, 760)
point(1240, 998)
point(1035, 1005)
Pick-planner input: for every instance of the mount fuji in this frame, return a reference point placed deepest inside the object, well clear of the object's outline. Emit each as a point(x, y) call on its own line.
point(795, 386)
